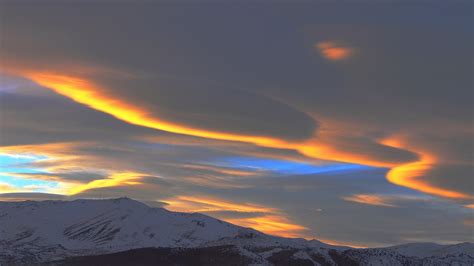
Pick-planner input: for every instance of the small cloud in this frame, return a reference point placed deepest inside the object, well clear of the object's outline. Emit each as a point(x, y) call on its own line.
point(207, 204)
point(334, 51)
point(116, 179)
point(272, 224)
point(371, 199)
point(228, 215)
point(4, 187)
point(340, 243)
point(22, 196)
point(468, 222)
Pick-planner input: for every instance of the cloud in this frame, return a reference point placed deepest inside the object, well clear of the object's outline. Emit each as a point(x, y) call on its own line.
point(206, 86)
point(316, 150)
point(271, 224)
point(358, 149)
point(333, 51)
point(284, 167)
point(203, 204)
point(227, 215)
point(56, 119)
point(468, 222)
point(106, 90)
point(87, 93)
point(7, 187)
point(207, 111)
point(375, 200)
point(410, 174)
point(78, 176)
point(265, 219)
point(4, 187)
point(22, 196)
point(117, 179)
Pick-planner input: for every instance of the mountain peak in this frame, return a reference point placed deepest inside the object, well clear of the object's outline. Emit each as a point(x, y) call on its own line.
point(120, 201)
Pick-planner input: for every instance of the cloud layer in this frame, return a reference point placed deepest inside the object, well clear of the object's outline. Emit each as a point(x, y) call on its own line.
point(290, 120)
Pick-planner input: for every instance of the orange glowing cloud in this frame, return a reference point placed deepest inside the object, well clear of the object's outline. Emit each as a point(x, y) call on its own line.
point(369, 199)
point(407, 175)
point(340, 243)
point(206, 204)
point(268, 220)
point(322, 150)
point(86, 92)
point(116, 179)
point(333, 51)
point(271, 224)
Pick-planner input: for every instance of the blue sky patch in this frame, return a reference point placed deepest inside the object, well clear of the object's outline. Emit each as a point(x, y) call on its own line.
point(11, 164)
point(285, 167)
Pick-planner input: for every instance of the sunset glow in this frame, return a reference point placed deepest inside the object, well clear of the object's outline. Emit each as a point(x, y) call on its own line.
point(347, 123)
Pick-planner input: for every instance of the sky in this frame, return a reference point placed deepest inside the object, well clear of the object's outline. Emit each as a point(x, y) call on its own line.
point(348, 122)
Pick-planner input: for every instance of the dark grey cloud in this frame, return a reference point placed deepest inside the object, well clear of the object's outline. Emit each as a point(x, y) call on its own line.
point(403, 73)
point(214, 106)
point(144, 192)
point(458, 177)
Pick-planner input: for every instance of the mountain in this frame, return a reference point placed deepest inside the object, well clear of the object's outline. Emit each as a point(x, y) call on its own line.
point(97, 232)
point(422, 250)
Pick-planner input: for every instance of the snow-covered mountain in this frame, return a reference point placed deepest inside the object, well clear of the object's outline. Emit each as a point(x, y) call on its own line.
point(422, 250)
point(41, 232)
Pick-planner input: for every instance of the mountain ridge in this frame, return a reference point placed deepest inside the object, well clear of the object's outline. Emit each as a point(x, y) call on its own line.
point(54, 230)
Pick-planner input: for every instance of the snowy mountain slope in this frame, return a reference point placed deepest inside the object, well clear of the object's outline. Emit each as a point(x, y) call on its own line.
point(114, 224)
point(417, 249)
point(33, 232)
point(423, 250)
point(58, 229)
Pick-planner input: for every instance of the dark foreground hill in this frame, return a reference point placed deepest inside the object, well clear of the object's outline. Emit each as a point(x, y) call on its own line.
point(233, 256)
